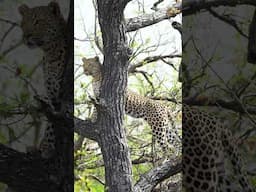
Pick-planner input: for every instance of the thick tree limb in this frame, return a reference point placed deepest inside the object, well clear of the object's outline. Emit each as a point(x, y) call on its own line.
point(192, 6)
point(145, 20)
point(148, 181)
point(188, 7)
point(86, 128)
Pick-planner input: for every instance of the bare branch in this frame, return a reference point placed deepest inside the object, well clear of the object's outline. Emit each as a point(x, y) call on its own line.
point(12, 47)
point(150, 60)
point(97, 179)
point(23, 78)
point(145, 20)
point(9, 22)
point(229, 21)
point(145, 75)
point(156, 4)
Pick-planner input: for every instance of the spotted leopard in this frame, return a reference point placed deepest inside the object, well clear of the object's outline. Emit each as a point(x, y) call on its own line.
point(207, 145)
point(44, 27)
point(207, 148)
point(158, 116)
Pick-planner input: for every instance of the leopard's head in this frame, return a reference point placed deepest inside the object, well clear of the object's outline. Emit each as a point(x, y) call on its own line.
point(92, 66)
point(41, 25)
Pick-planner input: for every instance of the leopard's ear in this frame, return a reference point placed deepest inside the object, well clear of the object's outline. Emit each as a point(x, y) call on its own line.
point(54, 7)
point(23, 9)
point(96, 58)
point(84, 59)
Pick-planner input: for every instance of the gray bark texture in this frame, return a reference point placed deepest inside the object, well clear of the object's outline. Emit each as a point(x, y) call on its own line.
point(155, 176)
point(112, 139)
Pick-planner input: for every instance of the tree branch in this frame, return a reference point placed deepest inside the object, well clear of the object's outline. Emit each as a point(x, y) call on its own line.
point(86, 128)
point(229, 21)
point(230, 105)
point(192, 6)
point(156, 4)
point(150, 59)
point(145, 20)
point(113, 143)
point(188, 7)
point(148, 181)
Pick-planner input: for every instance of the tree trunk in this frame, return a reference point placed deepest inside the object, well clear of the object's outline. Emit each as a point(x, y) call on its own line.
point(112, 139)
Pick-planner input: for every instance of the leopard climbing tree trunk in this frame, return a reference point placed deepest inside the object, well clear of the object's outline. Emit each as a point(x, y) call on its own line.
point(112, 139)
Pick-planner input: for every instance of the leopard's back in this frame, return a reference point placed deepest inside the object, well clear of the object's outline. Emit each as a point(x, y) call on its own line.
point(207, 145)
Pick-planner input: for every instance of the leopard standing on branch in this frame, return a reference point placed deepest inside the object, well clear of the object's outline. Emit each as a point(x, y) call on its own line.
point(44, 27)
point(207, 143)
point(158, 115)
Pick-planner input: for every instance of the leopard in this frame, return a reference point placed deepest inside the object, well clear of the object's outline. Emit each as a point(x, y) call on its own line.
point(207, 146)
point(44, 27)
point(159, 116)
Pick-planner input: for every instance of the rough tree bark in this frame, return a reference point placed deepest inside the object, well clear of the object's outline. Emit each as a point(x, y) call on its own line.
point(155, 176)
point(112, 139)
